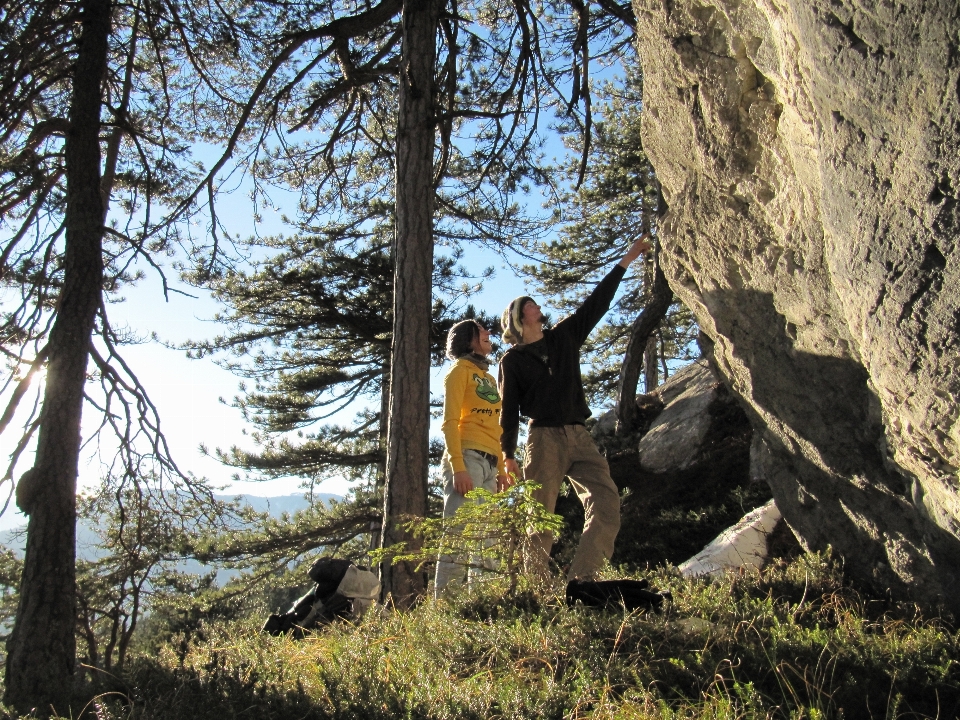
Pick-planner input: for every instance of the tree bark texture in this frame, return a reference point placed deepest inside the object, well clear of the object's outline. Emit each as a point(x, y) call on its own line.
point(641, 330)
point(376, 526)
point(405, 493)
point(42, 646)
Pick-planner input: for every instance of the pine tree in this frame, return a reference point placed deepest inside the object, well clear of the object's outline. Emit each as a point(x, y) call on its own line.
point(310, 327)
point(452, 94)
point(98, 101)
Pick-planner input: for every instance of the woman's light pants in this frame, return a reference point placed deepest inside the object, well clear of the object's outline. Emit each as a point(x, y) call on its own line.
point(483, 472)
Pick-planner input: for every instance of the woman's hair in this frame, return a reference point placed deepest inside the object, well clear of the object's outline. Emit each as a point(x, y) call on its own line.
point(460, 338)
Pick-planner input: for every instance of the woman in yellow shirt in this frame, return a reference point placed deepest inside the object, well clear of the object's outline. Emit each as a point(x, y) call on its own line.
point(471, 429)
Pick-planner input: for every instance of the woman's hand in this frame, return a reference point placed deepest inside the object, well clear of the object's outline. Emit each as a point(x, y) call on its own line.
point(503, 482)
point(510, 464)
point(462, 482)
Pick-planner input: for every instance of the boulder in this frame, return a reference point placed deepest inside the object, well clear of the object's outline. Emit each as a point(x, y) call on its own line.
point(745, 545)
point(688, 477)
point(675, 440)
point(808, 153)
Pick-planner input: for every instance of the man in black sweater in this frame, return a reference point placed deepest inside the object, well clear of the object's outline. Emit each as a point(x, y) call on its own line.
point(540, 378)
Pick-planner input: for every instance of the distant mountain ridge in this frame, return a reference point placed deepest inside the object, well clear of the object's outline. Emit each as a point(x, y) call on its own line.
point(15, 537)
point(280, 504)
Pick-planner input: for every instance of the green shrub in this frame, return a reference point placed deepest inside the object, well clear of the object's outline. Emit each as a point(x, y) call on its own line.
point(488, 534)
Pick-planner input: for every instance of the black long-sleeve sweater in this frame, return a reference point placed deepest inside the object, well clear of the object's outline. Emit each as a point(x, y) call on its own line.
point(542, 380)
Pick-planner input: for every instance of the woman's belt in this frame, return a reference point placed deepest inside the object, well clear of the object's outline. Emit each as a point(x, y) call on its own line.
point(489, 457)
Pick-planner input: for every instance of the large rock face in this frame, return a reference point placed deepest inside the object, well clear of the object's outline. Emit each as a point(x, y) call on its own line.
point(809, 151)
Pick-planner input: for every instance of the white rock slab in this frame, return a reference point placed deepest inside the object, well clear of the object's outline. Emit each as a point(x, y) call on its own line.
point(743, 545)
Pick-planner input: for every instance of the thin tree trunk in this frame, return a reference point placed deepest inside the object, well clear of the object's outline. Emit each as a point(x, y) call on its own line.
point(650, 379)
point(651, 375)
point(663, 354)
point(127, 633)
point(405, 494)
point(643, 327)
point(116, 136)
point(42, 646)
point(376, 526)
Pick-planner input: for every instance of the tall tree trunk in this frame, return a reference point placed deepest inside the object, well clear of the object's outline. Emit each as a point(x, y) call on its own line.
point(408, 431)
point(42, 646)
point(640, 332)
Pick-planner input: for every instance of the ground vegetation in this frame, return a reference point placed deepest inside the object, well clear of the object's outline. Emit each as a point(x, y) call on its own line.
point(795, 641)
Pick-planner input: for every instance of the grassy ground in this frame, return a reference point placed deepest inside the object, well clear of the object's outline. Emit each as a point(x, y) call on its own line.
point(794, 642)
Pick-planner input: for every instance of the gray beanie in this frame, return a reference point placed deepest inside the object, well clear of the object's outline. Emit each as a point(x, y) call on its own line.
point(512, 320)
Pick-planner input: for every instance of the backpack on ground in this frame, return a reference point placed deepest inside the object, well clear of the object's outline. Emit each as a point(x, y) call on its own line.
point(630, 594)
point(341, 590)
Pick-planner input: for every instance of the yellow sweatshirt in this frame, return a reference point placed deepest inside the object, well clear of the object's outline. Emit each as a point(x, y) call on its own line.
point(471, 413)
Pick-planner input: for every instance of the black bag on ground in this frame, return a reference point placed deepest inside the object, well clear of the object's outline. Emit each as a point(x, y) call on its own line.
point(341, 590)
point(630, 594)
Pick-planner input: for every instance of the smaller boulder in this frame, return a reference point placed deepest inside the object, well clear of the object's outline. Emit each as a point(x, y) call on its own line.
point(688, 477)
point(676, 437)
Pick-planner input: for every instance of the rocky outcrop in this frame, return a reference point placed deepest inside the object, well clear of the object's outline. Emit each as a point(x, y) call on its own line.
point(687, 478)
point(808, 151)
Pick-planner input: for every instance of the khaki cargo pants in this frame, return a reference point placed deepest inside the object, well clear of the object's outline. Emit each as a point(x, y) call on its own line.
point(555, 452)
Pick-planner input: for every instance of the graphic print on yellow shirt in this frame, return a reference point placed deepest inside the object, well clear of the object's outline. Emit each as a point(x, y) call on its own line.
point(471, 413)
point(487, 389)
